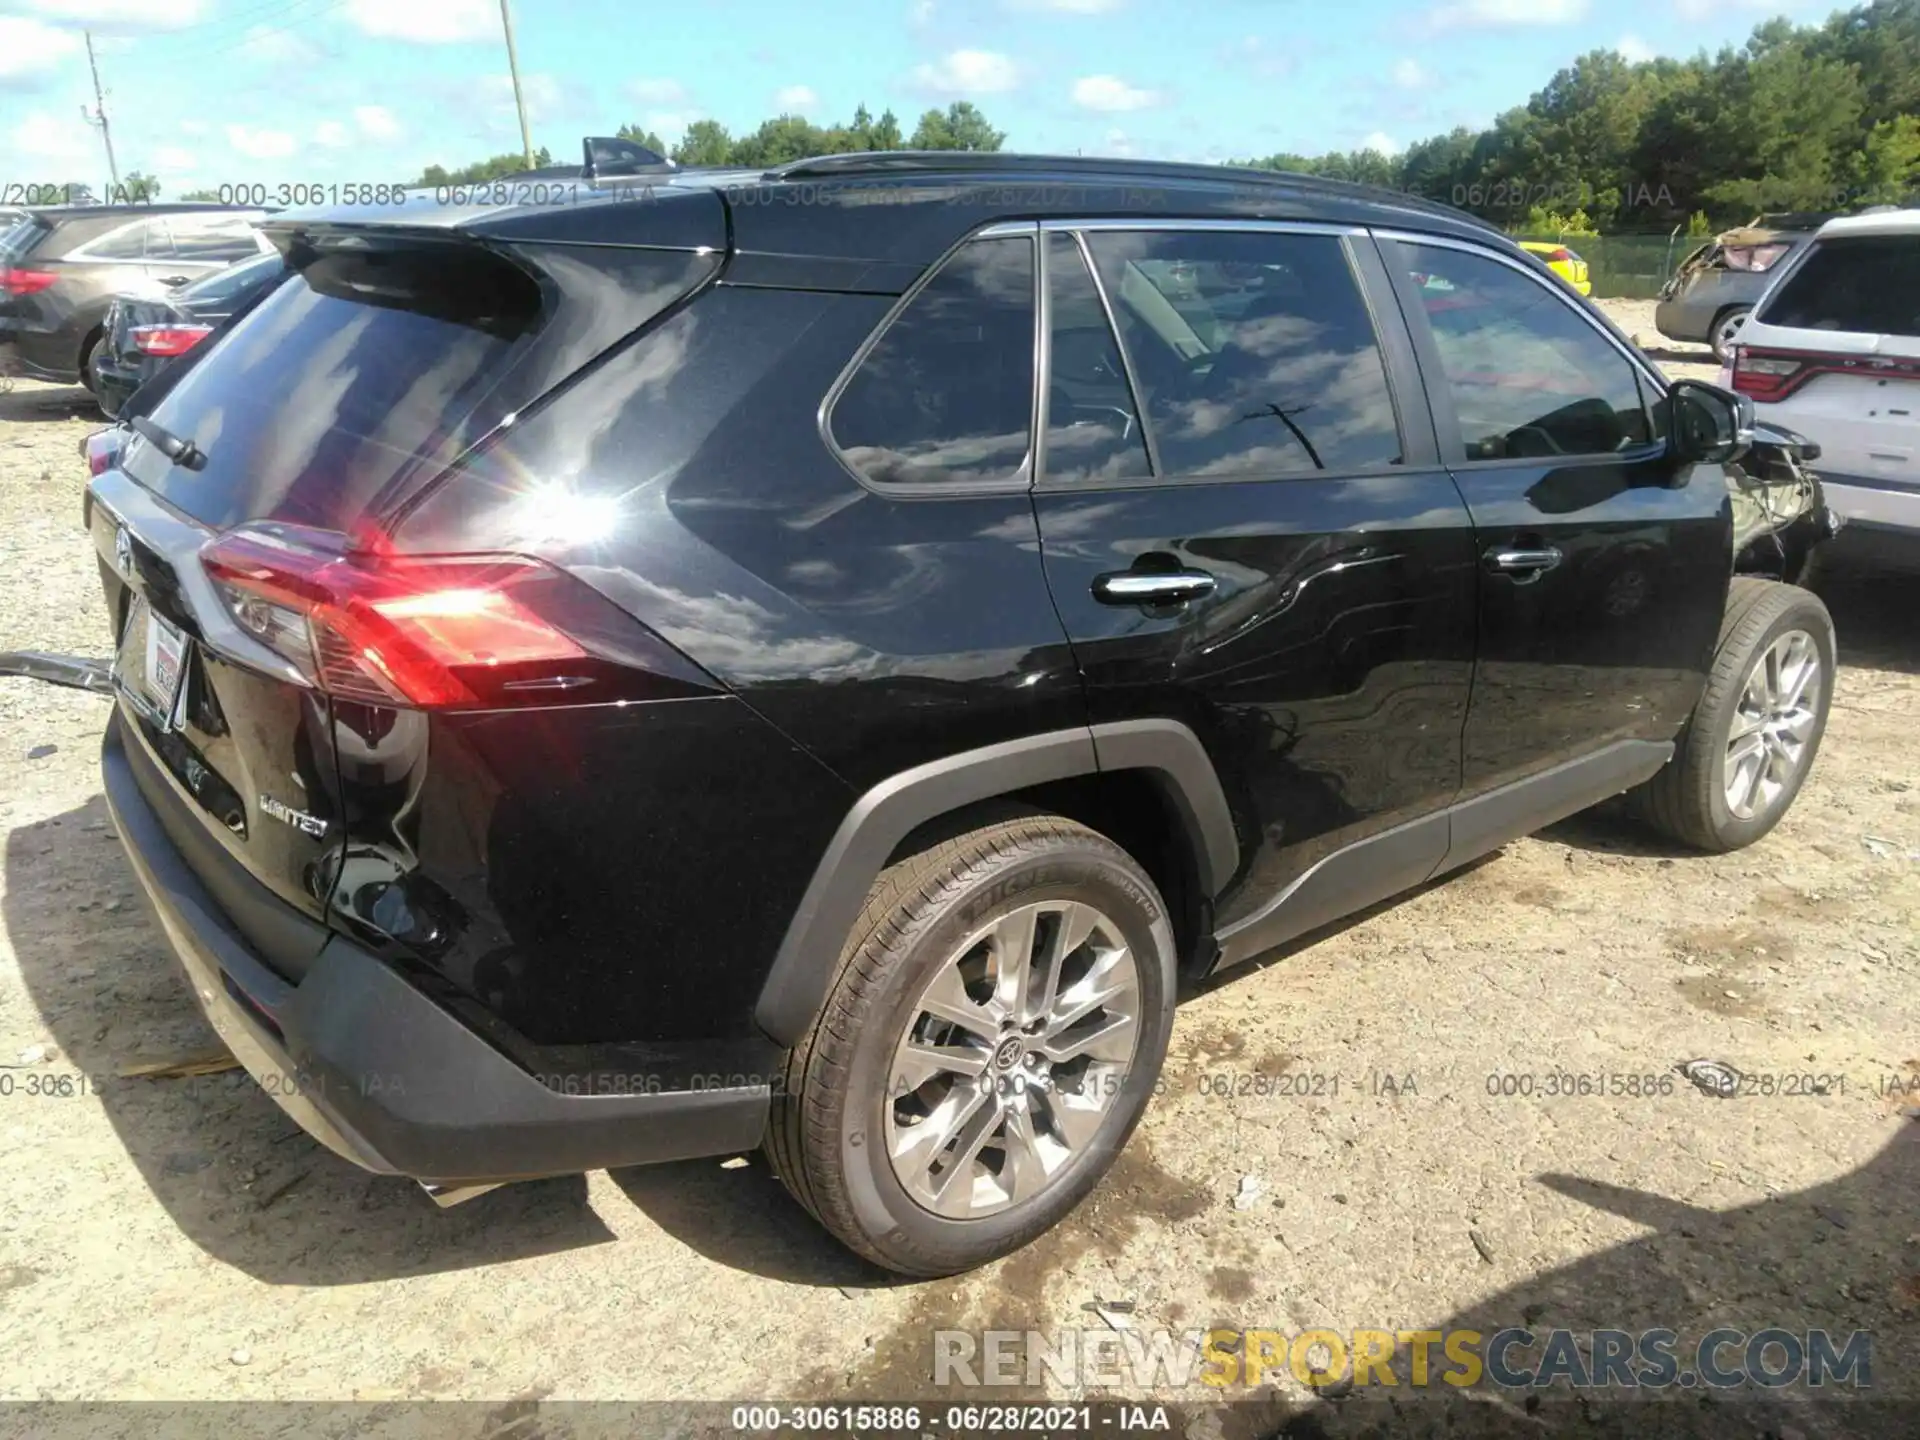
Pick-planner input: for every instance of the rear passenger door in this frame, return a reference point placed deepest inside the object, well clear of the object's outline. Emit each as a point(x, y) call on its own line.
point(1603, 564)
point(1247, 528)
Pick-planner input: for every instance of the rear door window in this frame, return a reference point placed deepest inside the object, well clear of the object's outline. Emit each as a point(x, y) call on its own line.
point(1094, 433)
point(1253, 351)
point(1866, 284)
point(1529, 376)
point(134, 242)
point(212, 240)
point(945, 396)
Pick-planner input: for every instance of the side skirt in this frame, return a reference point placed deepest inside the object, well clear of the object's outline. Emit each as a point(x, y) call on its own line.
point(1381, 866)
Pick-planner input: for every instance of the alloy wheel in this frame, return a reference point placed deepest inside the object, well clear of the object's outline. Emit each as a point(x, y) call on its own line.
point(1779, 707)
point(1014, 1053)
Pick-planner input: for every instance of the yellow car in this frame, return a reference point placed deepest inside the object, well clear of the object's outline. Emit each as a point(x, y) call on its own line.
point(1563, 262)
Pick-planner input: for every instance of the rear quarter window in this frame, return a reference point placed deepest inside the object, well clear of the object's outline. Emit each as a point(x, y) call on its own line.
point(1867, 284)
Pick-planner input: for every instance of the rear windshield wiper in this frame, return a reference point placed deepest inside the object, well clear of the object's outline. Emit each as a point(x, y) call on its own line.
point(180, 452)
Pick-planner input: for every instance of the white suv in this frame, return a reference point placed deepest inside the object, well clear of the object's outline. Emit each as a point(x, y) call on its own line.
point(1833, 351)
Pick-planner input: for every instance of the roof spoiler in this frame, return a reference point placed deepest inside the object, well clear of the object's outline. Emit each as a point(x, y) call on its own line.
point(608, 156)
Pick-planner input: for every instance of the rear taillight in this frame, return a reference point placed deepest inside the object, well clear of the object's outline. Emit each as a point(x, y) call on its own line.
point(102, 449)
point(25, 282)
point(1763, 376)
point(1776, 374)
point(1562, 255)
point(167, 340)
point(1752, 257)
point(434, 632)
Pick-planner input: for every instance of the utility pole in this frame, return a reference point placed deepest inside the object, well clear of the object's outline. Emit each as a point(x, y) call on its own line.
point(99, 115)
point(513, 68)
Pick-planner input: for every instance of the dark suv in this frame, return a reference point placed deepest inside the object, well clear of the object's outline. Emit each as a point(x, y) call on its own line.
point(62, 265)
point(814, 659)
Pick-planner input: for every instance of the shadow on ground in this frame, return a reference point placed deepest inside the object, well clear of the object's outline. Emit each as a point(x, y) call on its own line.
point(233, 1172)
point(1843, 1258)
point(42, 402)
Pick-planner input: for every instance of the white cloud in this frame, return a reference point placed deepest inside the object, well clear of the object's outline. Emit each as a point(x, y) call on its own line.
point(922, 12)
point(265, 46)
point(795, 99)
point(42, 137)
point(1408, 75)
point(172, 157)
point(1110, 92)
point(122, 14)
point(1634, 49)
point(670, 125)
point(194, 127)
point(1070, 7)
point(332, 134)
point(1258, 55)
point(1381, 144)
point(540, 90)
point(29, 49)
point(968, 72)
point(657, 92)
point(427, 22)
point(376, 122)
point(1491, 14)
point(261, 144)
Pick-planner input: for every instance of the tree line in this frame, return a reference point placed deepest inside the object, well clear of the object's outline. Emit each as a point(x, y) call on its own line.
point(1799, 119)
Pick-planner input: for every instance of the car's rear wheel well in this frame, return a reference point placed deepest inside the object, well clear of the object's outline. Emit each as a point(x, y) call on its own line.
point(1129, 807)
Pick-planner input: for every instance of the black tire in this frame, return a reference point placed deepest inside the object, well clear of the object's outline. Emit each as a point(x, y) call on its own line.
point(1718, 343)
point(825, 1138)
point(1687, 799)
point(86, 360)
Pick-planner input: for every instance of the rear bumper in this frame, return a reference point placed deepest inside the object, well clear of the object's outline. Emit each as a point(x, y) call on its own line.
point(380, 1074)
point(1872, 503)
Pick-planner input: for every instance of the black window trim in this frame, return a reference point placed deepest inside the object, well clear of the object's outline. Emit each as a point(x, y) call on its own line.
point(1021, 480)
point(1446, 420)
point(1412, 453)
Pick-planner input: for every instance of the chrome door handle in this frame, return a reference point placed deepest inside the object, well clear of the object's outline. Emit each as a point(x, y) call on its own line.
point(1148, 587)
point(1524, 565)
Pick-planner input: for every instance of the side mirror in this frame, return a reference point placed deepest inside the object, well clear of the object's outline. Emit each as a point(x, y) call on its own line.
point(1711, 426)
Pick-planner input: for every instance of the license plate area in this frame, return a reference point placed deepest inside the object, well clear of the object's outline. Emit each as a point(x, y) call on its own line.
point(151, 666)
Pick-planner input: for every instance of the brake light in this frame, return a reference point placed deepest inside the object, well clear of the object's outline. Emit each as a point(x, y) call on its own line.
point(435, 632)
point(1562, 254)
point(1776, 374)
point(102, 449)
point(25, 282)
point(1762, 376)
point(1752, 257)
point(167, 340)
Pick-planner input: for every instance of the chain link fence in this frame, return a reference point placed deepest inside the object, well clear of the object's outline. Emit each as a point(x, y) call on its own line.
point(1625, 267)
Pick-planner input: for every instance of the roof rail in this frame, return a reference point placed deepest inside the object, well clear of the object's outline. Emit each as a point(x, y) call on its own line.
point(900, 163)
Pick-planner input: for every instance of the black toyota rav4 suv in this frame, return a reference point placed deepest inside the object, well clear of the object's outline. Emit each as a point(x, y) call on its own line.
point(815, 660)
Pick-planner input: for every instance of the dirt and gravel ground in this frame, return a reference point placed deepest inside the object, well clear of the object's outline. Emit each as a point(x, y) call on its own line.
point(180, 1239)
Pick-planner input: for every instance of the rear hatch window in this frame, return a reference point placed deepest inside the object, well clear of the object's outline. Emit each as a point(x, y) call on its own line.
point(1865, 284)
point(380, 360)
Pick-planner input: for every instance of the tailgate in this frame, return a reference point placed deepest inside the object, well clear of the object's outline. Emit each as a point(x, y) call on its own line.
point(386, 354)
point(236, 760)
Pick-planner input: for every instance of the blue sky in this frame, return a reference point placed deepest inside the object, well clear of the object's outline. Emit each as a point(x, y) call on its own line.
point(208, 91)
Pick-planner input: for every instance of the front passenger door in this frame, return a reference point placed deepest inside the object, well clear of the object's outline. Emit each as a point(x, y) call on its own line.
point(1603, 564)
